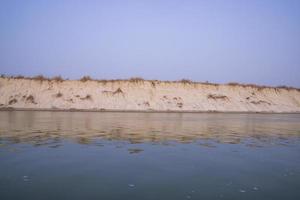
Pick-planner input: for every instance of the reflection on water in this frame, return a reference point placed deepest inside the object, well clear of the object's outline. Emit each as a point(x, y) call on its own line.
point(144, 156)
point(49, 128)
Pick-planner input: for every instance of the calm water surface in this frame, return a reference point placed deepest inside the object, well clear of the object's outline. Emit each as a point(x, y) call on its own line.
point(86, 155)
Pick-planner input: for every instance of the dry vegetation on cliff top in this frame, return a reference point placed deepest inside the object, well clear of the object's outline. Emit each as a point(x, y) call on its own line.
point(141, 80)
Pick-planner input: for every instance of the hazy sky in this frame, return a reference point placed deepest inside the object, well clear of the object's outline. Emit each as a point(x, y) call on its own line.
point(216, 41)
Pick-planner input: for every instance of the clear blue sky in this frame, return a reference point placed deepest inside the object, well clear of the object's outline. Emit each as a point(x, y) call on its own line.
point(255, 41)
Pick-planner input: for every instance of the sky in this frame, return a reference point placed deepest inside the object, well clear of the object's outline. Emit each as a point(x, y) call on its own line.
point(219, 41)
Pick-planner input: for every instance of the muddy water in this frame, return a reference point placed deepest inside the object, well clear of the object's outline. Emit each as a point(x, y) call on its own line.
point(89, 155)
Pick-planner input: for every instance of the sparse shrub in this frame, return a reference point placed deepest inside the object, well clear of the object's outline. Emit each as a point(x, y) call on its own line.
point(86, 78)
point(58, 79)
point(146, 103)
point(103, 81)
point(39, 78)
point(2, 76)
point(19, 77)
point(251, 85)
point(258, 87)
point(12, 101)
point(208, 83)
point(285, 87)
point(136, 79)
point(233, 84)
point(186, 81)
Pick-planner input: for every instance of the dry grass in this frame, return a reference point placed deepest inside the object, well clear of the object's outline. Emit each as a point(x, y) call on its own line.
point(153, 82)
point(261, 87)
point(185, 81)
point(86, 78)
point(57, 79)
point(287, 87)
point(37, 78)
point(247, 85)
point(103, 81)
point(40, 78)
point(136, 80)
point(19, 77)
point(233, 84)
point(208, 83)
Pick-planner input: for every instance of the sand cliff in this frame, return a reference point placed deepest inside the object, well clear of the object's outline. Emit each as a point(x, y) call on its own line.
point(144, 96)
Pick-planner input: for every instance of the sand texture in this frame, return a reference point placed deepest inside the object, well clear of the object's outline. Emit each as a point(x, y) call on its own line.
point(144, 96)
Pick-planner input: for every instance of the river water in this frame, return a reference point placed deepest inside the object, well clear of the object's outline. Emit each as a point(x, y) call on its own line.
point(110, 155)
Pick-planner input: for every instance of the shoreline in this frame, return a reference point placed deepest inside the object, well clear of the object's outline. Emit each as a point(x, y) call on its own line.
point(142, 111)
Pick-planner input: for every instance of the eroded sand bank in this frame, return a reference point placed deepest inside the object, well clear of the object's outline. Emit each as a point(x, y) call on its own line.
point(144, 96)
